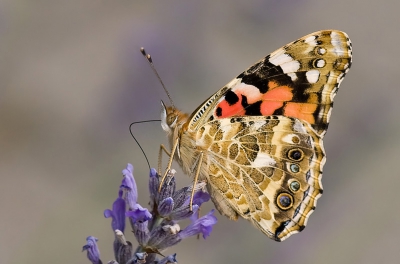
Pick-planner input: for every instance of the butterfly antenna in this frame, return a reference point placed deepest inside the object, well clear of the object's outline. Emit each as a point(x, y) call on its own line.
point(137, 142)
point(150, 60)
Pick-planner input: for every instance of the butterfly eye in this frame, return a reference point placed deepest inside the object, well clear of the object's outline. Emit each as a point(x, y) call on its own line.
point(171, 120)
point(284, 201)
point(295, 154)
point(294, 186)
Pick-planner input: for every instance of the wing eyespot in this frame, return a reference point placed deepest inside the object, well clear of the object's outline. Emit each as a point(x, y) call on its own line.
point(294, 185)
point(295, 154)
point(320, 51)
point(295, 168)
point(284, 201)
point(295, 139)
point(318, 63)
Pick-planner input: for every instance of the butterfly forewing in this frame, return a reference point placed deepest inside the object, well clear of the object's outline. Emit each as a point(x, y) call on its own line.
point(298, 80)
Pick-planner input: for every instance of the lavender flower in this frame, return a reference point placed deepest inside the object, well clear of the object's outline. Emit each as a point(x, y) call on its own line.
point(117, 213)
point(202, 225)
point(168, 259)
point(128, 186)
point(93, 252)
point(157, 229)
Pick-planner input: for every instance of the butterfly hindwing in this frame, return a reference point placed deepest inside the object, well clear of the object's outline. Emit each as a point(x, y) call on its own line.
point(258, 163)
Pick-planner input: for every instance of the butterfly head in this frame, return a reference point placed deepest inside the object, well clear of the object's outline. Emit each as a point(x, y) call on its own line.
point(172, 118)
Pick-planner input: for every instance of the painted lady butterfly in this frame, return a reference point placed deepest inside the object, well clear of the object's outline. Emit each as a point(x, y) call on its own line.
point(257, 142)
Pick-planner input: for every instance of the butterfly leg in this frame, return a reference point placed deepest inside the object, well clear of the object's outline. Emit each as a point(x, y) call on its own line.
point(162, 147)
point(196, 177)
point(171, 158)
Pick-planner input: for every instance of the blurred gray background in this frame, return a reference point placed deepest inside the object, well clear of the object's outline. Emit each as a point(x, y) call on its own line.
point(72, 80)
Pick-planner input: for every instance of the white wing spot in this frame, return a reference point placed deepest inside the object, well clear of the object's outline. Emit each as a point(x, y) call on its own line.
point(280, 59)
point(320, 63)
point(312, 76)
point(289, 138)
point(252, 92)
point(337, 44)
point(263, 160)
point(292, 76)
point(225, 122)
point(257, 125)
point(298, 127)
point(310, 41)
point(321, 51)
point(289, 67)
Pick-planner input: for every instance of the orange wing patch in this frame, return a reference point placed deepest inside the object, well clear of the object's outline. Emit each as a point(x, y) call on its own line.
point(224, 109)
point(275, 98)
point(243, 97)
point(232, 104)
point(302, 111)
point(245, 100)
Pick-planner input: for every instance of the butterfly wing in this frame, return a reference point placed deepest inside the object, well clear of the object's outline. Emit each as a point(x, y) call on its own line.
point(266, 169)
point(298, 80)
point(261, 134)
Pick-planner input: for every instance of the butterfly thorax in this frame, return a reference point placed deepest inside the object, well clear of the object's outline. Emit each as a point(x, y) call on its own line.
point(175, 123)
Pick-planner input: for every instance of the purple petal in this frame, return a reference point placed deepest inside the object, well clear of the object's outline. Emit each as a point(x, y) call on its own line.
point(93, 252)
point(202, 225)
point(117, 214)
point(168, 259)
point(129, 186)
point(200, 197)
point(139, 214)
point(108, 213)
point(195, 216)
point(143, 257)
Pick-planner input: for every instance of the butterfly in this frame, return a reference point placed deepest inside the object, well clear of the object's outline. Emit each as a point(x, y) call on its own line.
point(257, 142)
